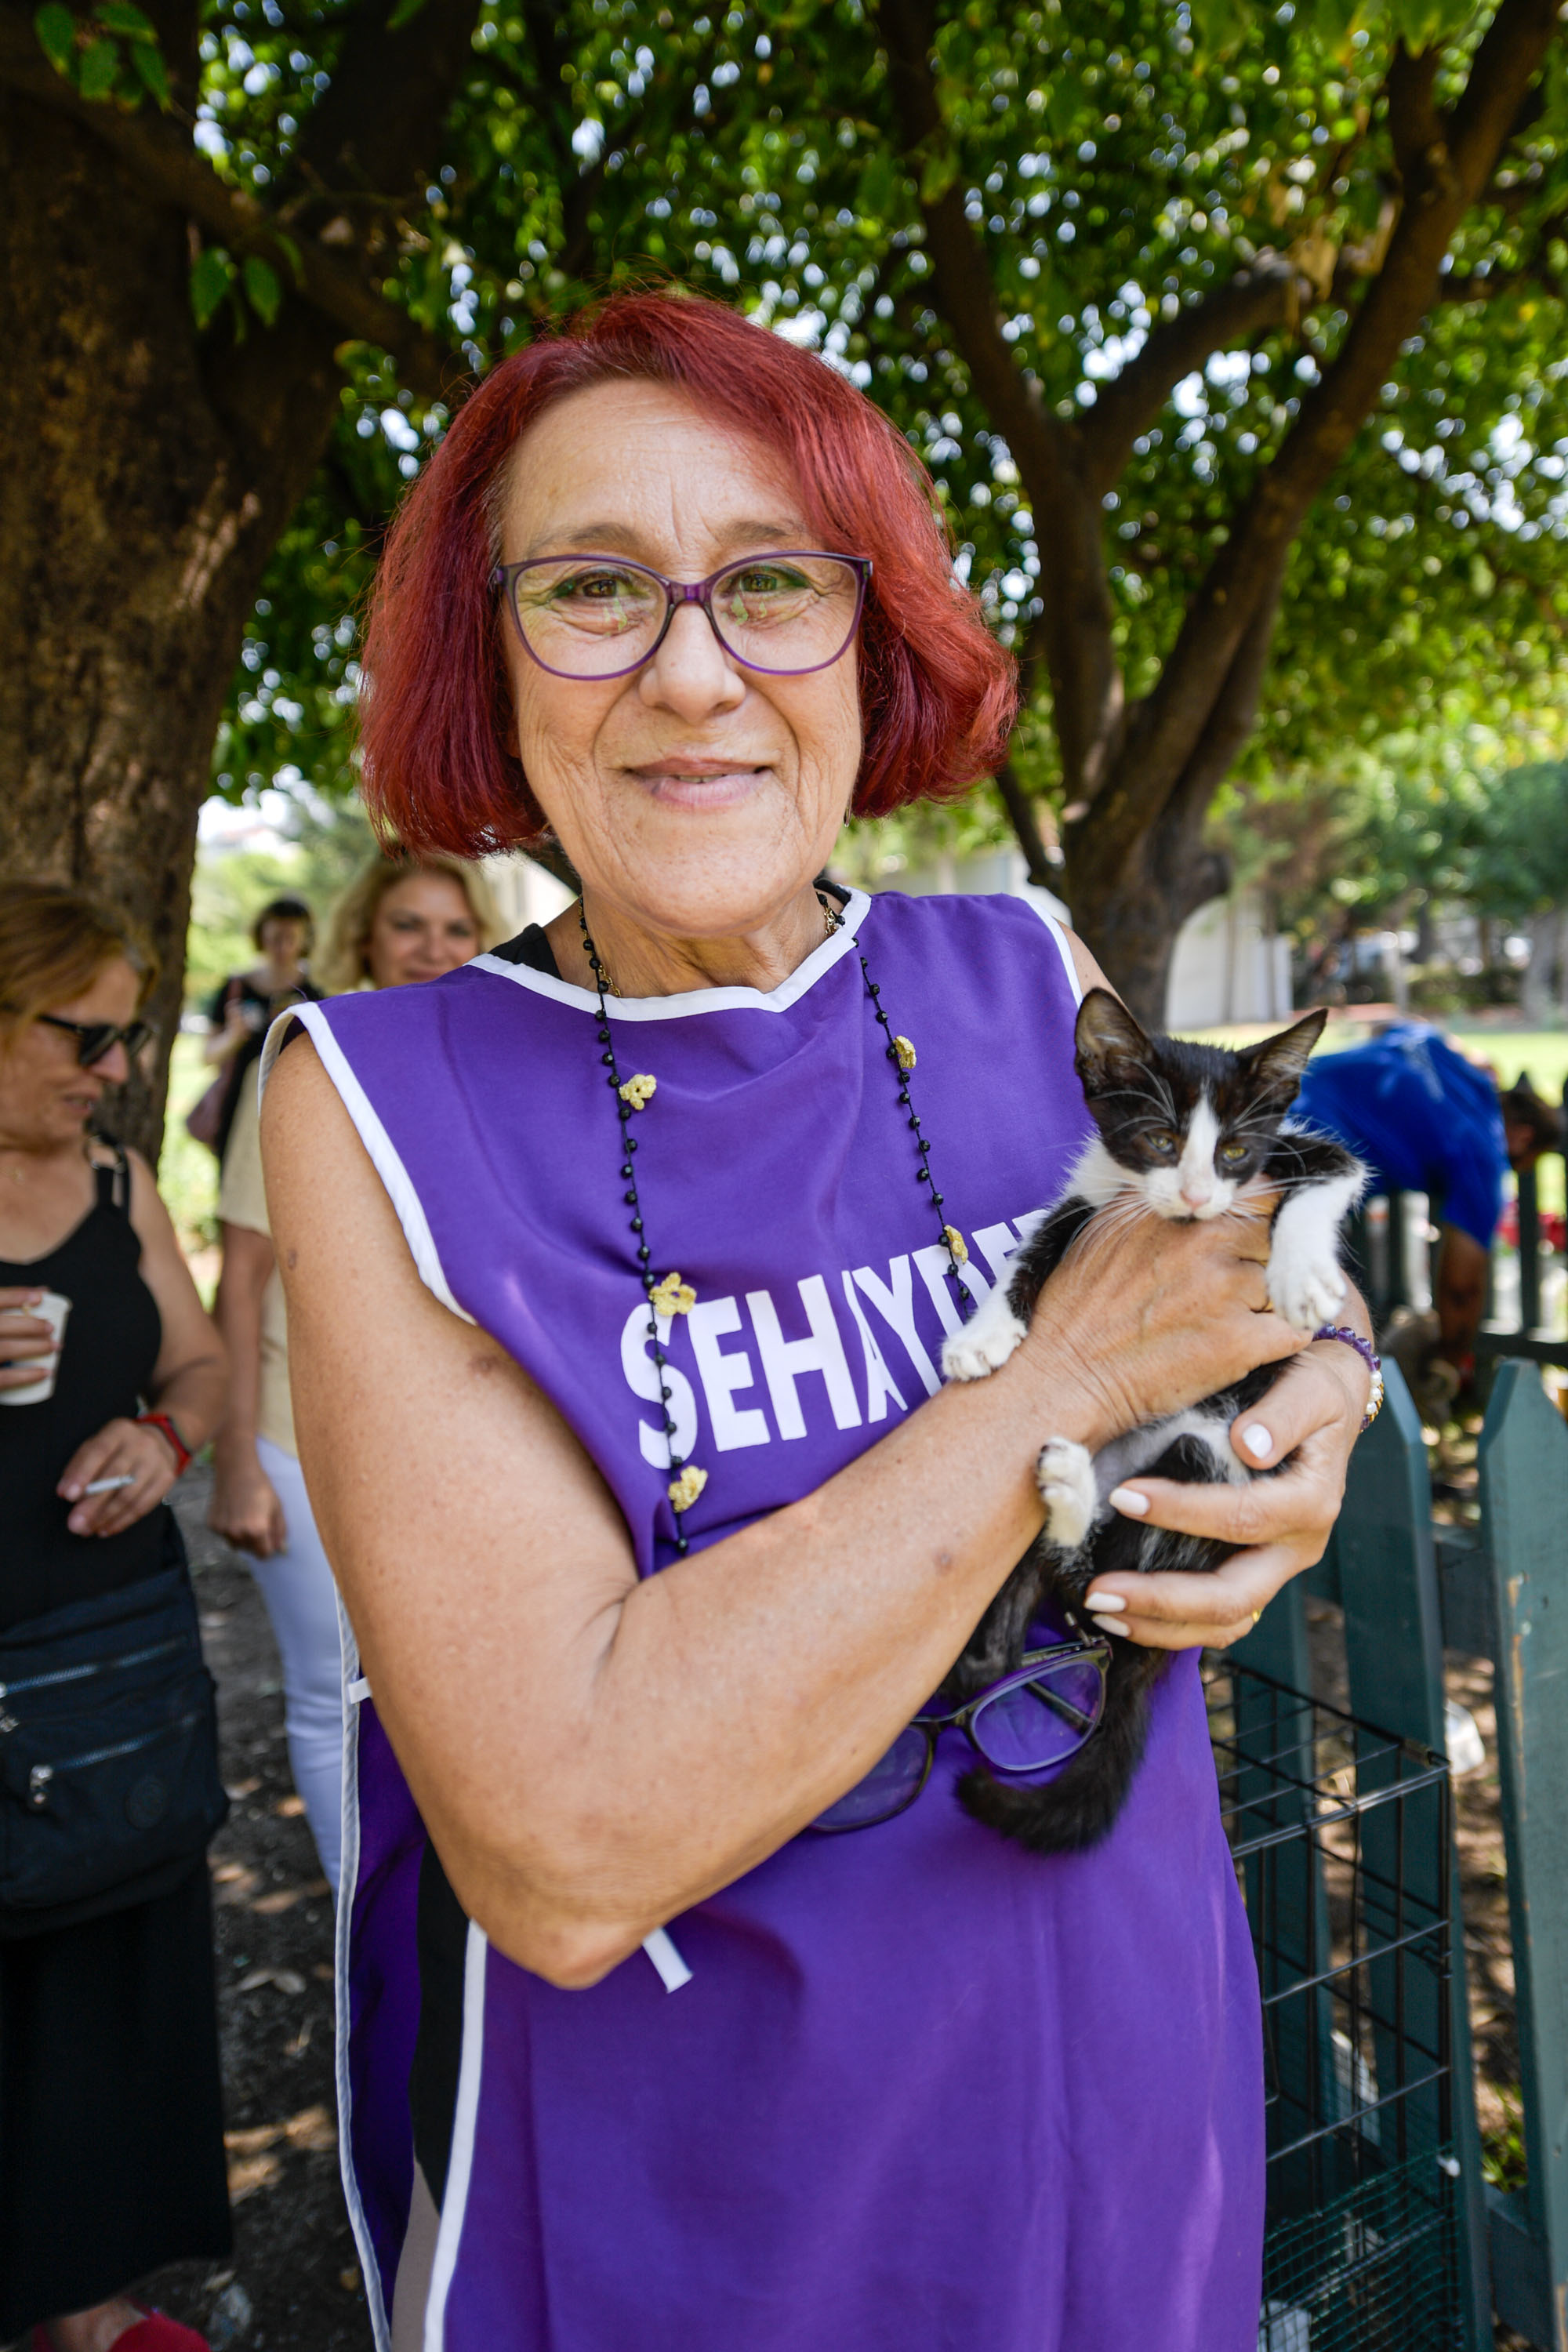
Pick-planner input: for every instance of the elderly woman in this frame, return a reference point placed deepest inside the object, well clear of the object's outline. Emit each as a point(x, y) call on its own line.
point(618, 1267)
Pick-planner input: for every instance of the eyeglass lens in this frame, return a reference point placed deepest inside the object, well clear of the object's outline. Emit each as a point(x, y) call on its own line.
point(1032, 1726)
point(1040, 1723)
point(888, 1787)
point(597, 619)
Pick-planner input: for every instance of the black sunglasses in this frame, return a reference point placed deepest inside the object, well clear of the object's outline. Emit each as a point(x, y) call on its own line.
point(94, 1039)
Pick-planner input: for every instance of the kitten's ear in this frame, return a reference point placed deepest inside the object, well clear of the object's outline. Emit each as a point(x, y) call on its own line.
point(1279, 1062)
point(1108, 1042)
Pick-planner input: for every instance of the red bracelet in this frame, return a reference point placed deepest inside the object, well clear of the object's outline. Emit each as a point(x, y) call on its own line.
point(161, 1422)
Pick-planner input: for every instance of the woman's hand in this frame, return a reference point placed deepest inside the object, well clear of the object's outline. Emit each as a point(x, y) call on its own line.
point(1147, 1316)
point(1313, 1411)
point(245, 1510)
point(121, 1449)
point(223, 1044)
point(23, 1338)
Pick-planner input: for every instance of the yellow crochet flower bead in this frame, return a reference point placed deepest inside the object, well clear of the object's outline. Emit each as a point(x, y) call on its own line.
point(683, 1491)
point(905, 1052)
point(672, 1297)
point(638, 1090)
point(956, 1243)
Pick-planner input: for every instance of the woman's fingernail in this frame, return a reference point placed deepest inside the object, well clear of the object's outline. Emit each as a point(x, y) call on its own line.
point(1104, 1601)
point(1257, 1442)
point(1112, 1626)
point(1128, 1499)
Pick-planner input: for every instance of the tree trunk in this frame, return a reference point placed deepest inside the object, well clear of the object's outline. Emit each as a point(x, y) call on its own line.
point(1129, 911)
point(148, 472)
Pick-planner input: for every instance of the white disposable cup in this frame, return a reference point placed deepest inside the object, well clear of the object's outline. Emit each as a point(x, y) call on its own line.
point(52, 1308)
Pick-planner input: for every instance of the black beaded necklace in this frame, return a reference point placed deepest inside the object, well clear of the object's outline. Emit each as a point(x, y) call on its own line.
point(668, 1294)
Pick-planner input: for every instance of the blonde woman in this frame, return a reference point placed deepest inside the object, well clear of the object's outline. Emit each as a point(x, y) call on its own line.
point(403, 920)
point(400, 921)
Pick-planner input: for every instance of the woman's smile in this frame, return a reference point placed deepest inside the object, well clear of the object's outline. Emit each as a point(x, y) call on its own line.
point(704, 784)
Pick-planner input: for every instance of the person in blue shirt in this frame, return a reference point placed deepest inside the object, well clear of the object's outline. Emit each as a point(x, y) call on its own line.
point(1424, 1119)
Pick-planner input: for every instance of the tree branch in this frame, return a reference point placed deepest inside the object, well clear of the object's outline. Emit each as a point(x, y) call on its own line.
point(377, 124)
point(1086, 677)
point(1232, 716)
point(1260, 297)
point(1443, 176)
point(1026, 826)
point(159, 156)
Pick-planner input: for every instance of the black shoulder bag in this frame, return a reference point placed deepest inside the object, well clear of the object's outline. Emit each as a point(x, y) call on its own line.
point(108, 1773)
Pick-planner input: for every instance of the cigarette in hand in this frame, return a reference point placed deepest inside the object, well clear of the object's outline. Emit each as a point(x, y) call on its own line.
point(108, 1486)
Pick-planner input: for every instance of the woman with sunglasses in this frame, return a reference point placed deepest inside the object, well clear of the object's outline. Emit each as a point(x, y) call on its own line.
point(111, 2158)
point(619, 1264)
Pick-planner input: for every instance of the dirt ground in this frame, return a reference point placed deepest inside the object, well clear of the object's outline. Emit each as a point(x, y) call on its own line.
point(293, 2282)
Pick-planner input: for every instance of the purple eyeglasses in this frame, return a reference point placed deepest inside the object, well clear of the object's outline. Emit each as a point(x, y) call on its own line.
point(785, 613)
point(1026, 1725)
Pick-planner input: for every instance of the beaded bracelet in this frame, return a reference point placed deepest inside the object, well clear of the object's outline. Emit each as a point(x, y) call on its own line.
point(165, 1428)
point(1369, 1356)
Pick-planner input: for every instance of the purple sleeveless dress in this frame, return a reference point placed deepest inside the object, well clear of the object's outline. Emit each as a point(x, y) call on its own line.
point(918, 2089)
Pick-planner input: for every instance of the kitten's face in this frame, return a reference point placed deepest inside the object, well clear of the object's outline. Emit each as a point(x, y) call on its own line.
point(1185, 1127)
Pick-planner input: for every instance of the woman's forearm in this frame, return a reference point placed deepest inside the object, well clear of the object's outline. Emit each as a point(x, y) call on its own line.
point(593, 1755)
point(193, 1397)
point(237, 1310)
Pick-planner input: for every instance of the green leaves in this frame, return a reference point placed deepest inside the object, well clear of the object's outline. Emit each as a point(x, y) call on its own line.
point(210, 280)
point(111, 54)
point(250, 286)
point(262, 290)
point(98, 67)
point(56, 29)
point(1116, 163)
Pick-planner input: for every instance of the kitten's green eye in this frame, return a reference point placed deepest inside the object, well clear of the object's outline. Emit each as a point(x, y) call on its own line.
point(1162, 1142)
point(1231, 1152)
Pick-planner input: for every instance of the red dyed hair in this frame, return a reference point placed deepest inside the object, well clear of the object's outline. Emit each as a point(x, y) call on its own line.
point(937, 692)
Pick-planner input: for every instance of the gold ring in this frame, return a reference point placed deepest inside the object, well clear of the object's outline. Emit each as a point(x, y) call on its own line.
point(1256, 1615)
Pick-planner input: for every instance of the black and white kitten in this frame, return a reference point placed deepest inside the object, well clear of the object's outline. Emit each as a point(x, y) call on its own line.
point(1187, 1132)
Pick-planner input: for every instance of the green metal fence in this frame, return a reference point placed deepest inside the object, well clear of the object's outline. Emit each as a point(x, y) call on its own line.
point(1406, 1591)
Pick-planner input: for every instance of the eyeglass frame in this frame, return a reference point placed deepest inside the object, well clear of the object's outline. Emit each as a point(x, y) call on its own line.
point(684, 592)
point(134, 1036)
point(1096, 1647)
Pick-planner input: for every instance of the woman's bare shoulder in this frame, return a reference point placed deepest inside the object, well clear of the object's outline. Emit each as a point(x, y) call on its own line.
point(300, 1103)
point(1089, 973)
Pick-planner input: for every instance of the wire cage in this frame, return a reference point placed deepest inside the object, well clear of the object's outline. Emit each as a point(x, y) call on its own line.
point(1340, 1835)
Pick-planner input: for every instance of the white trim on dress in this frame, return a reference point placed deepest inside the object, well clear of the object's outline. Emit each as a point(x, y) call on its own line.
point(1064, 947)
point(696, 999)
point(374, 1136)
point(348, 1881)
point(460, 2165)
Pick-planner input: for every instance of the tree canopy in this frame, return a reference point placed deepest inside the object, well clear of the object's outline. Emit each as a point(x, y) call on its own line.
point(1178, 213)
point(1232, 333)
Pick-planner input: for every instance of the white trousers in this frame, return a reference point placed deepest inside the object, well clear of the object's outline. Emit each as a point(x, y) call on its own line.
point(303, 1602)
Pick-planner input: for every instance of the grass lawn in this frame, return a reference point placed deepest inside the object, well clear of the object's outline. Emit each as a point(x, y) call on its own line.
point(187, 1172)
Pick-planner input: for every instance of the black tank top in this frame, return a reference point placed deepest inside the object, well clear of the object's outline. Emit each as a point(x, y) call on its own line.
point(112, 1336)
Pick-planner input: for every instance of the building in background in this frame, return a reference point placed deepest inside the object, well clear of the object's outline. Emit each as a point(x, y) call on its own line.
point(1229, 966)
point(524, 892)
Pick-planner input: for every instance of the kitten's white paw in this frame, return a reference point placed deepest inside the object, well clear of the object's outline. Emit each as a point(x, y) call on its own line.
point(1305, 1288)
point(1065, 1476)
point(982, 1348)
